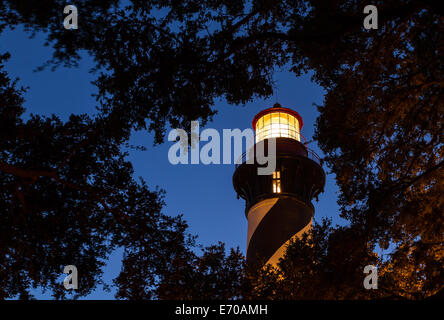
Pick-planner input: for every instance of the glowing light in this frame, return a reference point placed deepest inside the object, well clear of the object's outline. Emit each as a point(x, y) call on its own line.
point(277, 182)
point(277, 124)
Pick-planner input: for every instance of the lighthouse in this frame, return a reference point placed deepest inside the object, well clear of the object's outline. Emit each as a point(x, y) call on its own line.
point(278, 206)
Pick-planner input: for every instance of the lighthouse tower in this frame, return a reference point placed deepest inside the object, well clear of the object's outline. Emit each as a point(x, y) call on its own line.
point(278, 206)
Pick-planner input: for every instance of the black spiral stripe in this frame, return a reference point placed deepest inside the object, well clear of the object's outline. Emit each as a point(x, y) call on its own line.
point(272, 223)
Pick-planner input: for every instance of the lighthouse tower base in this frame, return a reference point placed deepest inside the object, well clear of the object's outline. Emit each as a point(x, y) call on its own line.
point(272, 223)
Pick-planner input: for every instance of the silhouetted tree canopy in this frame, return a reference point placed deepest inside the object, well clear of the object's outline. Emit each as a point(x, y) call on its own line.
point(161, 63)
point(68, 197)
point(186, 276)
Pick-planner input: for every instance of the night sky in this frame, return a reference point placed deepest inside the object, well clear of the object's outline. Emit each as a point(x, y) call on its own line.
point(203, 194)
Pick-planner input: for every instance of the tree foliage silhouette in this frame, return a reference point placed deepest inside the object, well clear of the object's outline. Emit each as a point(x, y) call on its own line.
point(162, 63)
point(68, 197)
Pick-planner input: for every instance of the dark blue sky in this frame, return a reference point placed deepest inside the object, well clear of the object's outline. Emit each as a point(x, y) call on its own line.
point(203, 194)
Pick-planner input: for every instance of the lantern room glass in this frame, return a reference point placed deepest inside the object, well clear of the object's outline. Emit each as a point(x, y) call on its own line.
point(277, 124)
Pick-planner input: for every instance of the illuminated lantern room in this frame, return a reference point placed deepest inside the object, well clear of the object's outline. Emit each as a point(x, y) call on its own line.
point(277, 122)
